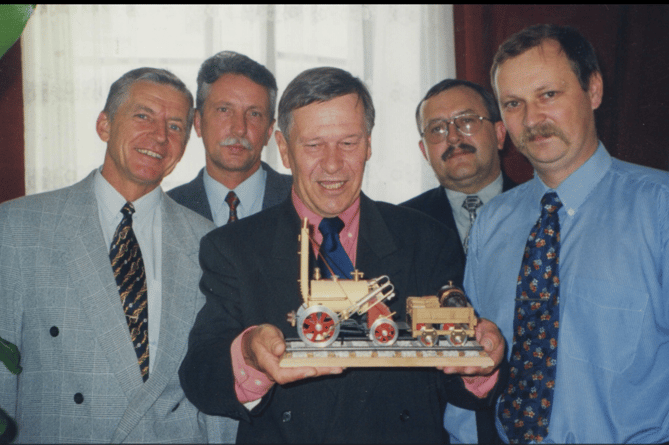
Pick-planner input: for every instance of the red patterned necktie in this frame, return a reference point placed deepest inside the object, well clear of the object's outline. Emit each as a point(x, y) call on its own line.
point(526, 405)
point(128, 267)
point(233, 202)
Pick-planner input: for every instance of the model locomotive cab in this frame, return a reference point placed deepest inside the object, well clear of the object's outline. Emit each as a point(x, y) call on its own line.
point(328, 303)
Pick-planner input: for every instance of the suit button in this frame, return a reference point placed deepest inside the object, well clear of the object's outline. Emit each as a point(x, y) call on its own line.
point(286, 416)
point(405, 415)
point(78, 398)
point(54, 331)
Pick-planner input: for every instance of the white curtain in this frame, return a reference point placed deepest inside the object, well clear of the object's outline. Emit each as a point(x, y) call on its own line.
point(72, 54)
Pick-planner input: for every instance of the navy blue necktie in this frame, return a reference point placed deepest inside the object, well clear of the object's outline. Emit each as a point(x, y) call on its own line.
point(526, 405)
point(332, 251)
point(128, 267)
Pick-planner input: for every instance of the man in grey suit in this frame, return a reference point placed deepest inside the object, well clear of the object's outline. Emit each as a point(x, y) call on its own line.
point(234, 116)
point(461, 135)
point(81, 379)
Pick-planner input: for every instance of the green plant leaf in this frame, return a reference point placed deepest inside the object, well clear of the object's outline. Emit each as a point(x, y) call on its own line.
point(9, 355)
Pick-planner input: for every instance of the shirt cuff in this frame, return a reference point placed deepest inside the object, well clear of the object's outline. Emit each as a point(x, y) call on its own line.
point(250, 384)
point(480, 385)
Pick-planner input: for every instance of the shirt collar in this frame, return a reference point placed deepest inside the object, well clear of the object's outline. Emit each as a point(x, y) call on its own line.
point(110, 201)
point(576, 188)
point(485, 194)
point(247, 192)
point(350, 216)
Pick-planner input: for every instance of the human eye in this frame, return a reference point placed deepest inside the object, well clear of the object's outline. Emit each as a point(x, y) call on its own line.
point(175, 127)
point(222, 109)
point(550, 94)
point(468, 119)
point(510, 104)
point(437, 128)
point(142, 116)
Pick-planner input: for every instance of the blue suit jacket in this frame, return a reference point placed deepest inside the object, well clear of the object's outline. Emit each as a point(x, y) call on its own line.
point(194, 196)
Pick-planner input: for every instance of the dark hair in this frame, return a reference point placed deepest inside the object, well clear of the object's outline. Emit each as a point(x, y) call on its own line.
point(321, 85)
point(579, 51)
point(446, 84)
point(230, 62)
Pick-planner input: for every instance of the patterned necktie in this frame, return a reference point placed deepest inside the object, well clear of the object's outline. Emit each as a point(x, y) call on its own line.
point(471, 203)
point(525, 407)
point(233, 202)
point(128, 267)
point(332, 250)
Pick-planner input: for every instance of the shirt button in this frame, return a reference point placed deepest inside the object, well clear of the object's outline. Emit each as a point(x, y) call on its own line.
point(54, 331)
point(78, 398)
point(571, 212)
point(258, 382)
point(286, 416)
point(405, 415)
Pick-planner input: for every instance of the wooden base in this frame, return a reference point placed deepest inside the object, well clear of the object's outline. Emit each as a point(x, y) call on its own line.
point(404, 353)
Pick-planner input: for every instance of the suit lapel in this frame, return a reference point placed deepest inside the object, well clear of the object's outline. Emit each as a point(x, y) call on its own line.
point(375, 242)
point(89, 268)
point(180, 303)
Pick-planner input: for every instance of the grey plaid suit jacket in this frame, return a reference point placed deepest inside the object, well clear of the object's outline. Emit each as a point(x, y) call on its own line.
point(59, 304)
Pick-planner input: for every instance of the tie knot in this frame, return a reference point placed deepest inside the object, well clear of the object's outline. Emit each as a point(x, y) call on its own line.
point(232, 199)
point(331, 226)
point(471, 203)
point(551, 202)
point(128, 209)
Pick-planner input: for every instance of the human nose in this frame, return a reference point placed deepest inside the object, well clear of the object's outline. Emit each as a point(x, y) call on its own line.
point(238, 124)
point(332, 159)
point(533, 115)
point(453, 134)
point(160, 132)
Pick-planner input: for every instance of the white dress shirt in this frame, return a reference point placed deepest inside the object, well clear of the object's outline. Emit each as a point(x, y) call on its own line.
point(251, 193)
point(147, 225)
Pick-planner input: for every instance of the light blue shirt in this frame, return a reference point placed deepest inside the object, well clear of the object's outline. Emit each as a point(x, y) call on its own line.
point(460, 214)
point(251, 193)
point(612, 378)
point(147, 225)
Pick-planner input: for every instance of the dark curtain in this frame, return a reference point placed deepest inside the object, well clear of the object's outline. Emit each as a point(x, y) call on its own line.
point(12, 170)
point(632, 44)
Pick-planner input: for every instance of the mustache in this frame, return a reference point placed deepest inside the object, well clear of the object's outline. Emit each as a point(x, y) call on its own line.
point(451, 148)
point(231, 140)
point(542, 130)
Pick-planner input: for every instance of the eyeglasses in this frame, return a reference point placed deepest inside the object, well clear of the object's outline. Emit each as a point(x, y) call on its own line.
point(467, 124)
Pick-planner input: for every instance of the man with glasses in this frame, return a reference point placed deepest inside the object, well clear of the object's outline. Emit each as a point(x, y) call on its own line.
point(461, 136)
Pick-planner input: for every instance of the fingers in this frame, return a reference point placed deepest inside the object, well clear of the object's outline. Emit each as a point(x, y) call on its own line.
point(262, 348)
point(487, 335)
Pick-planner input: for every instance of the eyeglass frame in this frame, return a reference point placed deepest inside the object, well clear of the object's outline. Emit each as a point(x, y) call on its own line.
point(448, 122)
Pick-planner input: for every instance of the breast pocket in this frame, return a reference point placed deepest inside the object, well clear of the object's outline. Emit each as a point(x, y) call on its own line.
point(601, 322)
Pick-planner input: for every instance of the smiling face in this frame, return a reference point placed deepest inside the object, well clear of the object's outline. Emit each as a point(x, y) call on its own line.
point(145, 139)
point(327, 149)
point(462, 163)
point(234, 125)
point(549, 116)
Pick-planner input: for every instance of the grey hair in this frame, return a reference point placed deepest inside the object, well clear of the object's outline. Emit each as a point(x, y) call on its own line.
point(118, 93)
point(321, 85)
point(230, 62)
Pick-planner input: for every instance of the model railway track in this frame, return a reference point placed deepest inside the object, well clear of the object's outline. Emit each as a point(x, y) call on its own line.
point(364, 353)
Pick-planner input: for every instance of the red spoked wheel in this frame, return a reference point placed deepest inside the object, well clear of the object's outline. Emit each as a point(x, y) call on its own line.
point(384, 332)
point(317, 326)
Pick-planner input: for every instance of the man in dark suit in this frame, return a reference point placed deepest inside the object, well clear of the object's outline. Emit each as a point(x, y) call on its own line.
point(99, 355)
point(461, 135)
point(250, 279)
point(236, 98)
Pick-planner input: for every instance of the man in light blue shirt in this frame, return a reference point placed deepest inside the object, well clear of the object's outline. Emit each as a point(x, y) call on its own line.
point(234, 116)
point(613, 339)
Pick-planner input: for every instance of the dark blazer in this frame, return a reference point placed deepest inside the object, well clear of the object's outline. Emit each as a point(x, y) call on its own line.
point(194, 196)
point(435, 203)
point(250, 276)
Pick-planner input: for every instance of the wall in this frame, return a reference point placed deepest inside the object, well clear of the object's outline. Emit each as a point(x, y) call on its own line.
point(632, 45)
